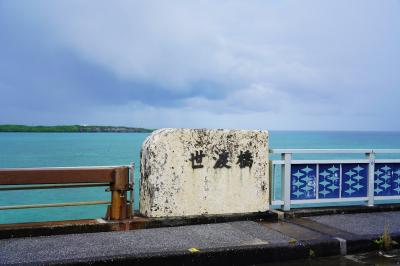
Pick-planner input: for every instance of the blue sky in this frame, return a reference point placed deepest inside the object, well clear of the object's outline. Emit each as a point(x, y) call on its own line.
point(298, 65)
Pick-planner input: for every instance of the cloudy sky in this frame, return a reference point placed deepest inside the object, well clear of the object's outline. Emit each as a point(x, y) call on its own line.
point(298, 65)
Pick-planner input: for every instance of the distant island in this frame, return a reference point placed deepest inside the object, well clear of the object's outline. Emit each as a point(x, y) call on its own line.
point(73, 129)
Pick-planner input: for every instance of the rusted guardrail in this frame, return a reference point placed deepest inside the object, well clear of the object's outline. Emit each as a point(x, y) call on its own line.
point(117, 178)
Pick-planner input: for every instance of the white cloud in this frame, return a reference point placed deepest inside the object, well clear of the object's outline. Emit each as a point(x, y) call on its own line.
point(277, 60)
point(176, 43)
point(256, 98)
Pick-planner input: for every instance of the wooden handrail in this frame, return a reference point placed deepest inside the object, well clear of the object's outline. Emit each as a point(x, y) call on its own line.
point(37, 176)
point(117, 177)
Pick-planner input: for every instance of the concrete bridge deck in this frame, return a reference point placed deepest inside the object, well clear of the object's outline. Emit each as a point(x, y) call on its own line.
point(230, 243)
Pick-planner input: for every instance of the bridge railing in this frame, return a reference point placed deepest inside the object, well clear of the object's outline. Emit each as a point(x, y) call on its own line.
point(118, 179)
point(306, 182)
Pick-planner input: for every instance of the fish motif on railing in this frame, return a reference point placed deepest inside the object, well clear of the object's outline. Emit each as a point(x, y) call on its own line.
point(303, 181)
point(329, 180)
point(354, 181)
point(387, 179)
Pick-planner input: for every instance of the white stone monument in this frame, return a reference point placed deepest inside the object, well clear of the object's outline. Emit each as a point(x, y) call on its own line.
point(186, 172)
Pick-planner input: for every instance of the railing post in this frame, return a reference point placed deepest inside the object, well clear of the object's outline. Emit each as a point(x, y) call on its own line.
point(131, 187)
point(287, 157)
point(271, 182)
point(118, 209)
point(371, 173)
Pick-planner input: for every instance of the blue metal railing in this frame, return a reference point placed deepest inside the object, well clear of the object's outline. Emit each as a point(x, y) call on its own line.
point(332, 181)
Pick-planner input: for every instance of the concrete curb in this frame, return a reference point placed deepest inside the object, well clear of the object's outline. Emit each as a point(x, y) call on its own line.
point(137, 222)
point(317, 211)
point(218, 256)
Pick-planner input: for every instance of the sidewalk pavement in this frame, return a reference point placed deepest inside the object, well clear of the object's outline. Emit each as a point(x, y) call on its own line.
point(232, 243)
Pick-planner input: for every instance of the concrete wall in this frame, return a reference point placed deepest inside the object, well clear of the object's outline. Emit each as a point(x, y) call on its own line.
point(198, 171)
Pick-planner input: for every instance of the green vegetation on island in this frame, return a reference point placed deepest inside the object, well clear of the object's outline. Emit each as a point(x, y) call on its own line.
point(72, 129)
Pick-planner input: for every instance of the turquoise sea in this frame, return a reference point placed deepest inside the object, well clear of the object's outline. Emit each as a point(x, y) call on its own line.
point(91, 149)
